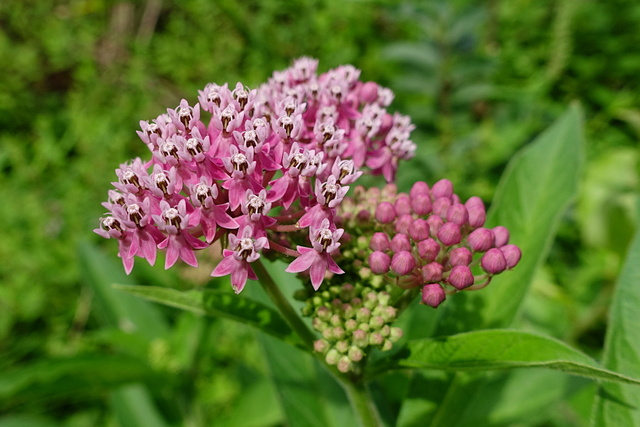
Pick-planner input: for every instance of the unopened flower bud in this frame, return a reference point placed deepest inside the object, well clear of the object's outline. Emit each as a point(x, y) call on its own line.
point(338, 333)
point(376, 338)
point(379, 242)
point(402, 205)
point(385, 213)
point(318, 324)
point(344, 364)
point(363, 315)
point(401, 242)
point(376, 322)
point(350, 325)
point(355, 353)
point(368, 92)
point(389, 313)
point(419, 187)
point(419, 230)
point(379, 262)
point(395, 334)
point(481, 239)
point(335, 320)
point(474, 202)
point(460, 256)
point(402, 263)
point(403, 224)
point(342, 346)
point(477, 216)
point(383, 299)
point(432, 272)
point(512, 255)
point(347, 311)
point(449, 234)
point(428, 249)
point(435, 223)
point(501, 236)
point(458, 214)
point(442, 188)
point(360, 338)
point(321, 346)
point(433, 294)
point(332, 357)
point(460, 277)
point(493, 262)
point(421, 204)
point(441, 206)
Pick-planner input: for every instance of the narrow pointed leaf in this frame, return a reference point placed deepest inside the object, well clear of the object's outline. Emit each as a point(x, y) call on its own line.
point(504, 349)
point(221, 304)
point(619, 404)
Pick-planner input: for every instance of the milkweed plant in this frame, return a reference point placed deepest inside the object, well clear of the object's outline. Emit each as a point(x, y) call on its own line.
point(272, 173)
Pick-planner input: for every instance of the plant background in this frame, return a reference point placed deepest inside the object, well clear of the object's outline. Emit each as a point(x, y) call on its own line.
point(480, 80)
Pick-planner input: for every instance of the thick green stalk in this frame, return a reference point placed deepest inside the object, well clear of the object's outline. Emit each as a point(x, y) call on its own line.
point(362, 404)
point(283, 305)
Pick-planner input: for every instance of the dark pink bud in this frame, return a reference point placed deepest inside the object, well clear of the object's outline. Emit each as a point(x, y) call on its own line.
point(421, 204)
point(460, 277)
point(432, 272)
point(501, 236)
point(419, 187)
point(385, 213)
point(442, 188)
point(460, 256)
point(363, 217)
point(435, 222)
point(400, 242)
point(458, 214)
point(402, 263)
point(493, 261)
point(433, 295)
point(419, 230)
point(481, 239)
point(441, 206)
point(449, 234)
point(403, 224)
point(379, 242)
point(379, 262)
point(477, 216)
point(428, 249)
point(512, 255)
point(455, 199)
point(368, 92)
point(474, 202)
point(403, 205)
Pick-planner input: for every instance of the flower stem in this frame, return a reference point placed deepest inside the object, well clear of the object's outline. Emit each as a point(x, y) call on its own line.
point(362, 404)
point(283, 305)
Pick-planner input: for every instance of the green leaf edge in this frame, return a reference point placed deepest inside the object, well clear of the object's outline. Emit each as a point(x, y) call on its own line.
point(587, 368)
point(195, 301)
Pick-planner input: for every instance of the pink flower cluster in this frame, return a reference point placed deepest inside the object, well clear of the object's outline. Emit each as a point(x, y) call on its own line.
point(267, 161)
point(430, 239)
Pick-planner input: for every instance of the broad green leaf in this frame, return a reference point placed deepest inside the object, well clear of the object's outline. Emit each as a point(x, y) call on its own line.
point(218, 303)
point(133, 407)
point(504, 349)
point(84, 374)
point(113, 307)
point(619, 404)
point(534, 192)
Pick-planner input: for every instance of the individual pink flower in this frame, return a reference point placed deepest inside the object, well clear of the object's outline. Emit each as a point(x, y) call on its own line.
point(318, 259)
point(238, 258)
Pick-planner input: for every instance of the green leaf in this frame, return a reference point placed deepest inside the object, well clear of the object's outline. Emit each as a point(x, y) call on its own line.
point(79, 375)
point(133, 407)
point(220, 304)
point(619, 404)
point(115, 308)
point(504, 349)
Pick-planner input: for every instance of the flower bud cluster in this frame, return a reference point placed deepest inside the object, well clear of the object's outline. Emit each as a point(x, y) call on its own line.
point(247, 166)
point(429, 239)
point(352, 319)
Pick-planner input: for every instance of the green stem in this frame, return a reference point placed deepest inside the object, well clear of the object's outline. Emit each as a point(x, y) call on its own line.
point(283, 305)
point(362, 404)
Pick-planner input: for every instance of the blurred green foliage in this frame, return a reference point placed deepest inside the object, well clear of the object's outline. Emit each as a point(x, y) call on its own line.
point(480, 79)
